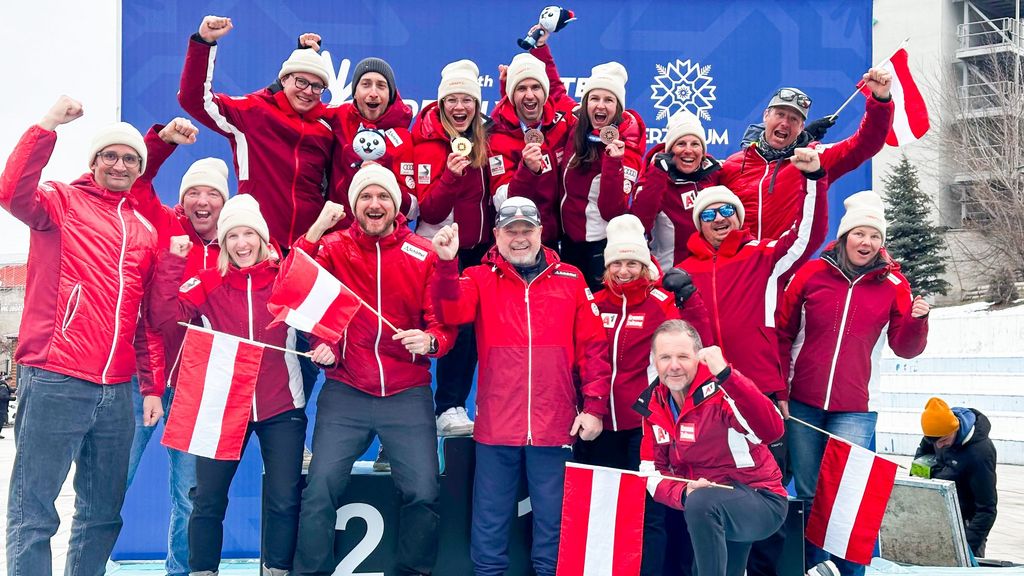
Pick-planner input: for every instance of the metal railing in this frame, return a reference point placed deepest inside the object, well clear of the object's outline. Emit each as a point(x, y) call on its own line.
point(986, 95)
point(990, 33)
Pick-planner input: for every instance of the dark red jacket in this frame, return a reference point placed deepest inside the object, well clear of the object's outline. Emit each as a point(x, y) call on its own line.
point(390, 274)
point(722, 434)
point(542, 350)
point(281, 157)
point(772, 200)
point(445, 197)
point(828, 326)
point(742, 281)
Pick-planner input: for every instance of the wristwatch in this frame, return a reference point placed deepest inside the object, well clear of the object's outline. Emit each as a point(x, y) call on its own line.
point(433, 345)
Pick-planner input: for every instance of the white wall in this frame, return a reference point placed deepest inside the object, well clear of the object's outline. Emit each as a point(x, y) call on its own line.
point(55, 47)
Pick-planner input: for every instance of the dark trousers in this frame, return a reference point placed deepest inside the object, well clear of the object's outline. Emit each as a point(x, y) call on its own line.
point(723, 523)
point(346, 422)
point(455, 369)
point(281, 440)
point(765, 554)
point(588, 257)
point(621, 449)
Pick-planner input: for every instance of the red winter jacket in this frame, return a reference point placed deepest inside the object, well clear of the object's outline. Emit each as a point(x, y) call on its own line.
point(235, 304)
point(509, 176)
point(91, 260)
point(664, 203)
point(828, 326)
point(281, 157)
point(390, 274)
point(398, 156)
point(722, 434)
point(592, 196)
point(776, 185)
point(541, 347)
point(445, 197)
point(742, 281)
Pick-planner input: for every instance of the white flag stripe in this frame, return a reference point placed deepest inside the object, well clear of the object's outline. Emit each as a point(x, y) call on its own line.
point(848, 499)
point(900, 121)
point(210, 416)
point(324, 292)
point(604, 504)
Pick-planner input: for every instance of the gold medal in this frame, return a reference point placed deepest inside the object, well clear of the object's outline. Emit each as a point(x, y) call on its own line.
point(609, 134)
point(533, 136)
point(462, 146)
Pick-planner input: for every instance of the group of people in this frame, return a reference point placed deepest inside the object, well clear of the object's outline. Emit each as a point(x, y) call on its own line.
point(654, 311)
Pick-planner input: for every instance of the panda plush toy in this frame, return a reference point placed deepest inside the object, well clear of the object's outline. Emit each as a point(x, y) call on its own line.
point(552, 19)
point(369, 144)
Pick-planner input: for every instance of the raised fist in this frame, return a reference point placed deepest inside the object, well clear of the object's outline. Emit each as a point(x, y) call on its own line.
point(330, 215)
point(179, 131)
point(180, 246)
point(879, 81)
point(712, 358)
point(806, 159)
point(64, 110)
point(446, 242)
point(310, 40)
point(214, 27)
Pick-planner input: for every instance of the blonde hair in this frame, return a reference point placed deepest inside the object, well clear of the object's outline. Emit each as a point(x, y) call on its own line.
point(477, 134)
point(224, 259)
point(607, 279)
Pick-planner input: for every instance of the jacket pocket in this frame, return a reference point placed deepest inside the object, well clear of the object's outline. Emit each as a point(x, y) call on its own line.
point(71, 307)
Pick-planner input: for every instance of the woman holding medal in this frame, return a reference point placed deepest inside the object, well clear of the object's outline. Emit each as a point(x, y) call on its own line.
point(453, 186)
point(600, 164)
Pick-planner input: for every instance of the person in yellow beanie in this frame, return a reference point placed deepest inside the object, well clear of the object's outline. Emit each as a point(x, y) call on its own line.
point(959, 439)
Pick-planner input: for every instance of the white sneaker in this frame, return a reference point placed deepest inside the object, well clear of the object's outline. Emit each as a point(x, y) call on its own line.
point(826, 568)
point(454, 422)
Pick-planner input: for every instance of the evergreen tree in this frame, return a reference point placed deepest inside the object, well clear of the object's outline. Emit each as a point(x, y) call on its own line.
point(910, 237)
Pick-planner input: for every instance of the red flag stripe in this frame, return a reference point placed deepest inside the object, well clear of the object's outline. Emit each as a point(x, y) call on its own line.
point(572, 546)
point(240, 396)
point(629, 528)
point(872, 510)
point(178, 431)
point(833, 464)
point(911, 105)
point(308, 298)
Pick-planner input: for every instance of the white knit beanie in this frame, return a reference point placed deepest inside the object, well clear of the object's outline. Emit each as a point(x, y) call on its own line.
point(523, 66)
point(684, 123)
point(212, 172)
point(305, 60)
point(863, 209)
point(626, 242)
point(715, 195)
point(460, 77)
point(610, 76)
point(242, 210)
point(374, 174)
point(119, 133)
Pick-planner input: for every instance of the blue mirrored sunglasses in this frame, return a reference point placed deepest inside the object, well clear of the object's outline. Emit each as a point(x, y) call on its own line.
point(725, 210)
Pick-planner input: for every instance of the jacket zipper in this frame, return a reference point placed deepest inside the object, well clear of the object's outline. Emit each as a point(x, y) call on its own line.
point(120, 290)
point(714, 298)
point(760, 199)
point(380, 326)
point(839, 342)
point(615, 364)
point(529, 359)
point(248, 305)
point(295, 178)
point(483, 199)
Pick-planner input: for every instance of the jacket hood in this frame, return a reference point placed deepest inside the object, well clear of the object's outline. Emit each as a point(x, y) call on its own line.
point(87, 183)
point(733, 243)
point(974, 426)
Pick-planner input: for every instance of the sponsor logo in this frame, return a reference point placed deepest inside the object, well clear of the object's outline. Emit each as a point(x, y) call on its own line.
point(406, 169)
point(594, 308)
point(683, 85)
point(415, 252)
point(688, 199)
point(590, 295)
point(630, 174)
point(423, 174)
point(687, 432)
point(189, 284)
point(410, 183)
point(545, 164)
point(566, 274)
point(708, 389)
point(635, 321)
point(497, 165)
point(393, 136)
point(609, 319)
point(660, 435)
point(659, 295)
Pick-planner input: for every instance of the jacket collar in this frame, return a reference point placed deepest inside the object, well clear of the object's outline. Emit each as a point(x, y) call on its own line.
point(397, 236)
point(281, 100)
point(733, 243)
point(87, 183)
point(398, 115)
point(261, 274)
point(497, 262)
point(505, 115)
point(653, 402)
point(634, 292)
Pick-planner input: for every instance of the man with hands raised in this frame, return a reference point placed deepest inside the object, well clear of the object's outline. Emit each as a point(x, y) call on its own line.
point(536, 326)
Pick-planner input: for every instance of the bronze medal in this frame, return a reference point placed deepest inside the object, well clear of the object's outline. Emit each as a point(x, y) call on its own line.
point(609, 134)
point(533, 136)
point(462, 146)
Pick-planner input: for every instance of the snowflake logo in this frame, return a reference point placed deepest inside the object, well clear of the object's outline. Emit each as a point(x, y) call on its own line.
point(683, 85)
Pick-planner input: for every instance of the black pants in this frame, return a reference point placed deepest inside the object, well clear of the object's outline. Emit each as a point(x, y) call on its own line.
point(588, 257)
point(621, 449)
point(455, 369)
point(765, 554)
point(281, 440)
point(723, 523)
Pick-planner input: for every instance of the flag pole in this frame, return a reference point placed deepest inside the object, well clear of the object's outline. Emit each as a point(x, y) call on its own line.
point(368, 307)
point(246, 340)
point(681, 479)
point(840, 438)
point(857, 89)
point(638, 473)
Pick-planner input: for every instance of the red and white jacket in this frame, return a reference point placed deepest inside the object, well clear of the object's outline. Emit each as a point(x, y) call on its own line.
point(281, 157)
point(236, 304)
point(390, 273)
point(90, 263)
point(592, 196)
point(829, 324)
point(770, 191)
point(509, 176)
point(542, 350)
point(445, 197)
point(742, 281)
point(664, 203)
point(722, 433)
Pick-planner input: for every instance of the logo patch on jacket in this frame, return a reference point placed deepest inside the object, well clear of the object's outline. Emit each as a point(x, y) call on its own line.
point(629, 173)
point(567, 274)
point(189, 284)
point(414, 251)
point(706, 390)
point(393, 136)
point(410, 183)
point(687, 432)
point(423, 174)
point(545, 164)
point(660, 435)
point(597, 312)
point(406, 169)
point(497, 165)
point(635, 321)
point(609, 319)
point(659, 295)
point(688, 199)
point(590, 295)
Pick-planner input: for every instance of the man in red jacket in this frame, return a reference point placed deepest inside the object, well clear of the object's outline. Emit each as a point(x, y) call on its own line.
point(538, 334)
point(90, 262)
point(381, 384)
point(707, 424)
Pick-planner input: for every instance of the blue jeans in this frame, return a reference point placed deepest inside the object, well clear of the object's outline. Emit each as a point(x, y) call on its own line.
point(62, 419)
point(181, 476)
point(806, 448)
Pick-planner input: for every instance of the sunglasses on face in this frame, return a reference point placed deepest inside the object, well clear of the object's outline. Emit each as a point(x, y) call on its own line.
point(725, 210)
point(790, 95)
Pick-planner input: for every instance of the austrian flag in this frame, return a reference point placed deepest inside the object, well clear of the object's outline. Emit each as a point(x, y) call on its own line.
point(910, 117)
point(602, 522)
point(309, 298)
point(853, 489)
point(214, 394)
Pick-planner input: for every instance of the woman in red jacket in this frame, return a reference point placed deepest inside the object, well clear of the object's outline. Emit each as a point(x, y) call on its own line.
point(232, 298)
point(830, 320)
point(599, 166)
point(453, 184)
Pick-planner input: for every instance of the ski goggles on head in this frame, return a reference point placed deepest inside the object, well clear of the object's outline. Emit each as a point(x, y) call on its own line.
point(726, 210)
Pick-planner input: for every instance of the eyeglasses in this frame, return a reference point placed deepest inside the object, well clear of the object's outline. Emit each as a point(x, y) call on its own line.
point(791, 95)
point(110, 158)
point(510, 211)
point(464, 102)
point(725, 210)
point(301, 83)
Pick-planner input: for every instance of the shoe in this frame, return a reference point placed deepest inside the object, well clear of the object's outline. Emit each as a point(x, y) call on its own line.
point(307, 458)
point(454, 422)
point(826, 568)
point(268, 571)
point(382, 463)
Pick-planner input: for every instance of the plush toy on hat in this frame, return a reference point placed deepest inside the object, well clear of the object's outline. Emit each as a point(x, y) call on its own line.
point(552, 19)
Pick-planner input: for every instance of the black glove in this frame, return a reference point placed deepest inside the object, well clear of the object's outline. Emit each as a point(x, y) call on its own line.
point(679, 282)
point(819, 127)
